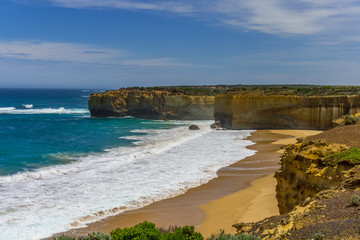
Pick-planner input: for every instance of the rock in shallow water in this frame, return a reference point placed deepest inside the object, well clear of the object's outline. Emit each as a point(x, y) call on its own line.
point(215, 125)
point(194, 127)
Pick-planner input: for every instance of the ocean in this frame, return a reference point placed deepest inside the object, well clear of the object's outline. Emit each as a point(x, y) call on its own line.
point(61, 168)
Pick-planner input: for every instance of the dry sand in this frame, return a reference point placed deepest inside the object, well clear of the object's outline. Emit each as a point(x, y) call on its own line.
point(253, 203)
point(244, 191)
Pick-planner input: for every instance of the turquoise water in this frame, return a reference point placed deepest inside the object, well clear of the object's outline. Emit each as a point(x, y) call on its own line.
point(56, 128)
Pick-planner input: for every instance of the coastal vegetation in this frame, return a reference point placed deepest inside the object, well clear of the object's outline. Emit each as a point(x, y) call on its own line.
point(351, 119)
point(351, 156)
point(318, 236)
point(149, 231)
point(355, 201)
point(301, 90)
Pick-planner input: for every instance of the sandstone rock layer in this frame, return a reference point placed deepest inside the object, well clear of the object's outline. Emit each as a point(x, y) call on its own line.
point(282, 111)
point(151, 104)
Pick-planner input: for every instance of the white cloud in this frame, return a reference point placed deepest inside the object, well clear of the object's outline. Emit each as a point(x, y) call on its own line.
point(79, 53)
point(290, 16)
point(155, 62)
point(269, 16)
point(58, 51)
point(172, 6)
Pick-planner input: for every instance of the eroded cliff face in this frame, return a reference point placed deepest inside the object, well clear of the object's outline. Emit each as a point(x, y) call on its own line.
point(251, 111)
point(152, 104)
point(305, 171)
point(318, 193)
point(330, 215)
point(233, 110)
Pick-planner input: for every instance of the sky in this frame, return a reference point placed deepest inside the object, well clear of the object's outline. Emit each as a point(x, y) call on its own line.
point(121, 43)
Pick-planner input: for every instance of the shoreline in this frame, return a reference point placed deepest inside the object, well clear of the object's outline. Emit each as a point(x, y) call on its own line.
point(192, 208)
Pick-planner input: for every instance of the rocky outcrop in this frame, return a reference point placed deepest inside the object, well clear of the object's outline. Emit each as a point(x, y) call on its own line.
point(318, 190)
point(194, 127)
point(330, 215)
point(260, 111)
point(346, 120)
point(306, 170)
point(215, 125)
point(234, 110)
point(152, 104)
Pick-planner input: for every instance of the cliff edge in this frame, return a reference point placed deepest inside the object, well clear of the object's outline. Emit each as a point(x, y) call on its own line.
point(318, 189)
point(152, 104)
point(234, 107)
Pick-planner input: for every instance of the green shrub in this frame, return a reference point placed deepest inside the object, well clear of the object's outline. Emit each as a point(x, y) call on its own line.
point(97, 236)
point(184, 233)
point(349, 120)
point(63, 237)
point(141, 231)
point(351, 155)
point(242, 236)
point(148, 231)
point(355, 200)
point(318, 236)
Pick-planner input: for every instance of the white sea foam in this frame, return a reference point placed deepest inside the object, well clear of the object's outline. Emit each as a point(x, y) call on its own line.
point(27, 105)
point(3, 109)
point(61, 110)
point(37, 204)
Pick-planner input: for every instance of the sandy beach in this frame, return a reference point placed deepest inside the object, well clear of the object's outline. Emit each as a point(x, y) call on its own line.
point(242, 192)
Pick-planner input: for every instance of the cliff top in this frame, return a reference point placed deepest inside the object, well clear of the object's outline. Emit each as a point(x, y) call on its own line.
point(348, 135)
point(299, 90)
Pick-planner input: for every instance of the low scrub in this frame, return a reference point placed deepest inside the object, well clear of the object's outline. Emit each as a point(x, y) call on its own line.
point(349, 119)
point(242, 236)
point(351, 156)
point(143, 231)
point(355, 201)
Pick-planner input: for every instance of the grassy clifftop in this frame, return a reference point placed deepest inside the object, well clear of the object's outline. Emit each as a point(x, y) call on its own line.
point(300, 90)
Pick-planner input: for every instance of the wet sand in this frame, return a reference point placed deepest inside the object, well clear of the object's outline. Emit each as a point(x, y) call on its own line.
point(210, 207)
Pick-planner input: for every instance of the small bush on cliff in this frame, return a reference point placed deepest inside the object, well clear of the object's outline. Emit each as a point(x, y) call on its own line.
point(351, 156)
point(318, 236)
point(349, 120)
point(355, 201)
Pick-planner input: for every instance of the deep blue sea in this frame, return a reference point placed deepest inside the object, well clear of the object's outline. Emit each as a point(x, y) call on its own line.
point(59, 167)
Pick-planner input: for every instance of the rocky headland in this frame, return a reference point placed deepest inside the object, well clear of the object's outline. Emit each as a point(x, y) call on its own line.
point(152, 104)
point(235, 107)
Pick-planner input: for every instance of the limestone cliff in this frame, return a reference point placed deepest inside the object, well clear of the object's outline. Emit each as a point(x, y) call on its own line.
point(246, 109)
point(318, 189)
point(152, 104)
point(260, 111)
point(305, 171)
point(330, 215)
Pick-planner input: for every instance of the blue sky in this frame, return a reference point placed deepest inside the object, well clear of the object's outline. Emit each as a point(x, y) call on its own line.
point(121, 43)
